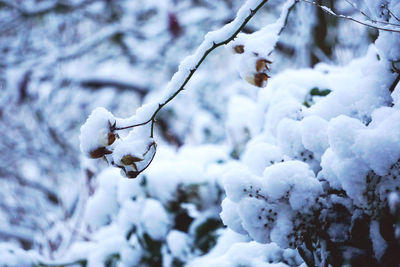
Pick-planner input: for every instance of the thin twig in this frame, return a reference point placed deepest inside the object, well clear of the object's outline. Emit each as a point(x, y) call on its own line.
point(152, 157)
point(368, 17)
point(285, 17)
point(330, 12)
point(391, 13)
point(96, 83)
point(132, 126)
point(394, 84)
point(81, 262)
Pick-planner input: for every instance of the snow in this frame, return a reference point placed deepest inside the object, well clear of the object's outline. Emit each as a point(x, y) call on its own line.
point(94, 133)
point(289, 137)
point(125, 219)
point(102, 207)
point(128, 189)
point(341, 140)
point(353, 99)
point(154, 219)
point(314, 134)
point(259, 155)
point(143, 114)
point(120, 208)
point(230, 216)
point(188, 167)
point(109, 247)
point(379, 146)
point(178, 243)
point(11, 255)
point(171, 174)
point(234, 183)
point(242, 122)
point(250, 254)
point(135, 146)
point(258, 46)
point(394, 201)
point(294, 177)
point(388, 43)
point(130, 256)
point(379, 244)
point(258, 200)
point(288, 109)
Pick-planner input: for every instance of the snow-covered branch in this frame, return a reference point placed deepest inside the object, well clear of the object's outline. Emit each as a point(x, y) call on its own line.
point(268, 35)
point(369, 17)
point(110, 147)
point(390, 27)
point(189, 66)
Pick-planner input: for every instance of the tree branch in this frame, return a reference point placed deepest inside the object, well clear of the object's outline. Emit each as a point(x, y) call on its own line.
point(50, 194)
point(371, 19)
point(119, 85)
point(81, 262)
point(394, 84)
point(201, 55)
point(56, 6)
point(391, 13)
point(330, 12)
point(19, 233)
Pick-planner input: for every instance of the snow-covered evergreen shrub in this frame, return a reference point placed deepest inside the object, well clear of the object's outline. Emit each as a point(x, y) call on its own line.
point(332, 166)
point(321, 176)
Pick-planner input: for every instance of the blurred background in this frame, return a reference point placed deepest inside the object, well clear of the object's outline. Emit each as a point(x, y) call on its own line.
point(59, 59)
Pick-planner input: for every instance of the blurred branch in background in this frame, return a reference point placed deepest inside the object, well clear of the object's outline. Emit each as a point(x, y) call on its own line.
point(35, 9)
